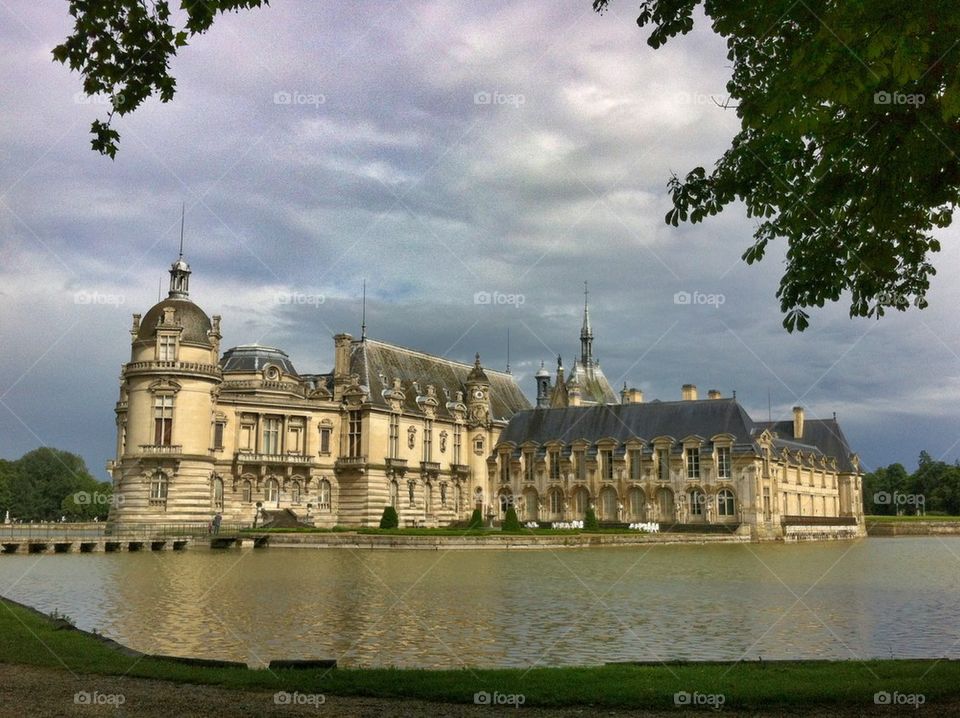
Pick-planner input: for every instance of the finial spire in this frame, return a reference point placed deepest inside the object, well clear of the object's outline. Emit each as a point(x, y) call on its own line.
point(363, 313)
point(508, 350)
point(183, 211)
point(586, 332)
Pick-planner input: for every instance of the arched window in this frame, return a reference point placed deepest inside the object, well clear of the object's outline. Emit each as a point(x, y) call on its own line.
point(506, 501)
point(726, 504)
point(158, 486)
point(323, 495)
point(272, 492)
point(608, 504)
point(428, 497)
point(295, 492)
point(581, 500)
point(637, 501)
point(665, 504)
point(217, 493)
point(556, 502)
point(696, 502)
point(394, 493)
point(247, 492)
point(531, 507)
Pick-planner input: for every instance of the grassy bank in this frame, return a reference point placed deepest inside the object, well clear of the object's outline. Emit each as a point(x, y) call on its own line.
point(32, 639)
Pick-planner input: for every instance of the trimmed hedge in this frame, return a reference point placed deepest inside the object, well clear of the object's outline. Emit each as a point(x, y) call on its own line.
point(389, 520)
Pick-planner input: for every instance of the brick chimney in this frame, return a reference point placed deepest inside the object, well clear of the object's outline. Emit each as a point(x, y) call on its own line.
point(689, 392)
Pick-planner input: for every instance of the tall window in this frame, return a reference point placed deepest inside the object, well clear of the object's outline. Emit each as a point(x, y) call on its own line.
point(724, 466)
point(663, 464)
point(637, 502)
point(218, 493)
point(696, 503)
point(166, 347)
point(554, 465)
point(504, 468)
point(428, 497)
point(295, 492)
point(635, 464)
point(443, 495)
point(725, 503)
point(162, 420)
point(158, 486)
point(324, 439)
point(528, 465)
point(394, 493)
point(606, 457)
point(581, 464)
point(556, 502)
point(457, 442)
point(393, 447)
point(693, 462)
point(271, 435)
point(218, 435)
point(428, 439)
point(354, 435)
point(272, 492)
point(247, 492)
point(323, 495)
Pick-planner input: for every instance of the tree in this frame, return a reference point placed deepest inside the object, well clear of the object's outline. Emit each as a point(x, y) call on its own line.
point(44, 478)
point(848, 144)
point(123, 48)
point(390, 519)
point(590, 522)
point(476, 519)
point(510, 520)
point(881, 486)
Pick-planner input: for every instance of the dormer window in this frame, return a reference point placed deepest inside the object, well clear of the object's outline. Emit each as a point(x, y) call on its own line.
point(166, 347)
point(693, 462)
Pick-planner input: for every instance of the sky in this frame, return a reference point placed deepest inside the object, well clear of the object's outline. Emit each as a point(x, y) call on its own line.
point(474, 164)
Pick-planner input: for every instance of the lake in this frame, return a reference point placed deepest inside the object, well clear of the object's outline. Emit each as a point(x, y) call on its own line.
point(513, 608)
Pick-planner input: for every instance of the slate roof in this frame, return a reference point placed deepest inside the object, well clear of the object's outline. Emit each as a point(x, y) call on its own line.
point(192, 318)
point(647, 421)
point(824, 434)
point(378, 364)
point(254, 357)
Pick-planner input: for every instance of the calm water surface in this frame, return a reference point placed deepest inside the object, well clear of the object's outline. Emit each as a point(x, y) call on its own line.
point(871, 598)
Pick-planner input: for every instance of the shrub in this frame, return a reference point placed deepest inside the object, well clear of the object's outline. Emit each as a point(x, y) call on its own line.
point(389, 520)
point(510, 521)
point(476, 519)
point(590, 522)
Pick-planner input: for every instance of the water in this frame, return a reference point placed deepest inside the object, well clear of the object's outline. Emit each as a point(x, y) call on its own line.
point(871, 598)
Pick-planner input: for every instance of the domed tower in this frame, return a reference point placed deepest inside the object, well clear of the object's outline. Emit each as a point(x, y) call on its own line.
point(164, 467)
point(543, 387)
point(478, 394)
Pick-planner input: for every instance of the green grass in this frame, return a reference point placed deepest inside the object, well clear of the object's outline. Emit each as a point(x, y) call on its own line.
point(31, 639)
point(934, 517)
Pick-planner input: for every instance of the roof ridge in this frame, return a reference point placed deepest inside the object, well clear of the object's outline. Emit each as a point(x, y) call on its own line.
point(434, 357)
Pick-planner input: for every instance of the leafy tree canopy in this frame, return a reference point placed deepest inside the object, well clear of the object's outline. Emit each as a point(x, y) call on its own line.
point(46, 484)
point(122, 48)
point(847, 149)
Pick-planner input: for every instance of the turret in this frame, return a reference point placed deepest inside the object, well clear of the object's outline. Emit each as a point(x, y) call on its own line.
point(543, 387)
point(478, 393)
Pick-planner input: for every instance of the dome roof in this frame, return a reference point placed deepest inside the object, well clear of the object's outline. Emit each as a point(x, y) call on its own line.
point(254, 357)
point(188, 315)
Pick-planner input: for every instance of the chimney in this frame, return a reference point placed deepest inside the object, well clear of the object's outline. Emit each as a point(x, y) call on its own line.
point(714, 394)
point(798, 422)
point(689, 392)
point(631, 396)
point(341, 364)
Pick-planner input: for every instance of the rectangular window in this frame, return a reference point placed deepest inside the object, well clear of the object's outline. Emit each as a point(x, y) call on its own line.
point(325, 440)
point(166, 347)
point(271, 435)
point(457, 442)
point(581, 462)
point(635, 464)
point(428, 439)
point(554, 456)
point(163, 420)
point(693, 462)
point(505, 468)
point(663, 464)
point(724, 466)
point(393, 444)
point(354, 435)
point(528, 459)
point(606, 457)
point(218, 435)
point(293, 440)
point(247, 432)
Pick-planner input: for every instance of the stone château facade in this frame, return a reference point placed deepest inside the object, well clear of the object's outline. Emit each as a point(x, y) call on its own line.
point(200, 433)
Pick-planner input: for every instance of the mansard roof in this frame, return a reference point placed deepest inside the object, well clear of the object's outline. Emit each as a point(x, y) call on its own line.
point(378, 364)
point(824, 434)
point(622, 422)
point(254, 357)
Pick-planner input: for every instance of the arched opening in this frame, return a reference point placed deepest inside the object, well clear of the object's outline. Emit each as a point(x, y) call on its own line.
point(608, 504)
point(637, 504)
point(665, 504)
point(556, 504)
point(581, 501)
point(271, 493)
point(323, 495)
point(505, 502)
point(246, 491)
point(726, 503)
point(696, 505)
point(531, 508)
point(295, 492)
point(217, 493)
point(394, 492)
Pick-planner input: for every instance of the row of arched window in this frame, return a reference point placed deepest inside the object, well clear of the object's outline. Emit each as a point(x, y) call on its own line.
point(271, 494)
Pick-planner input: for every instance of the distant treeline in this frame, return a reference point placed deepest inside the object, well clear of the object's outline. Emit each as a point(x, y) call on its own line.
point(934, 488)
point(48, 484)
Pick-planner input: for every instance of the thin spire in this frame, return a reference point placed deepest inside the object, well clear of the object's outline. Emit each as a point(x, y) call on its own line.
point(159, 288)
point(586, 333)
point(508, 350)
point(363, 313)
point(183, 211)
